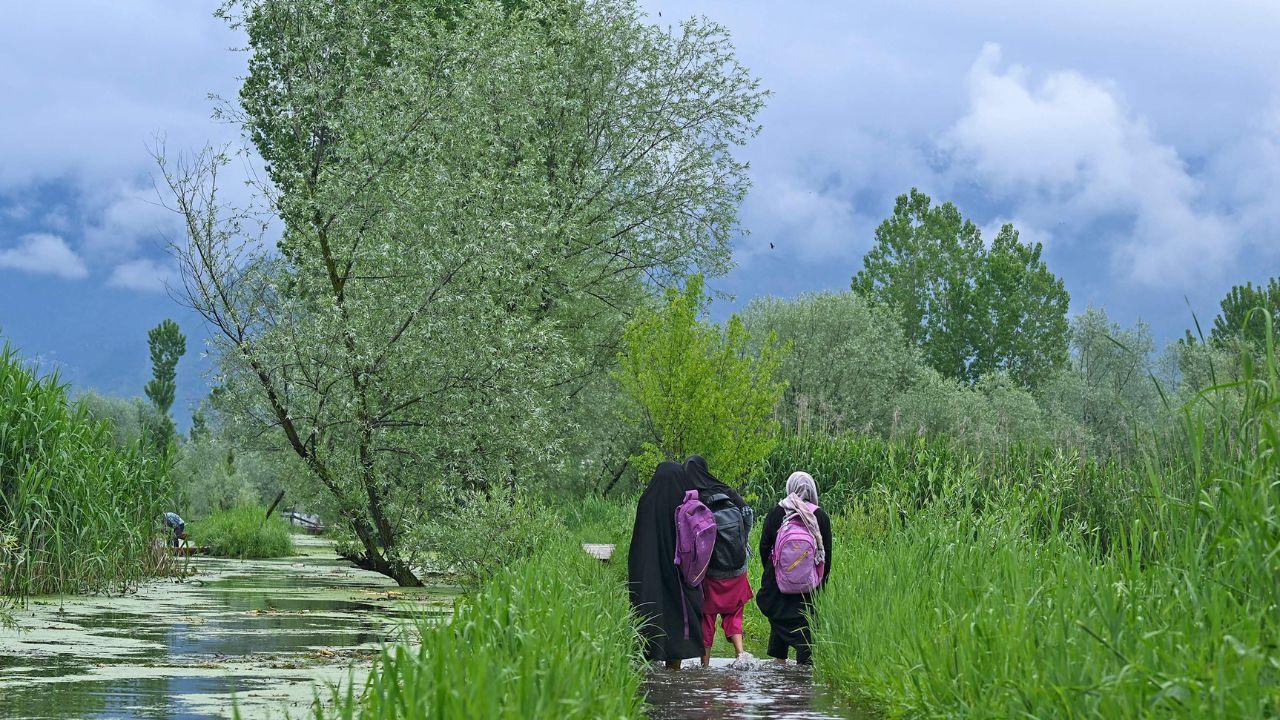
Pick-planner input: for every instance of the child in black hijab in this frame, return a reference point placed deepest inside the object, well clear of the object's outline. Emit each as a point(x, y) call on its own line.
point(670, 612)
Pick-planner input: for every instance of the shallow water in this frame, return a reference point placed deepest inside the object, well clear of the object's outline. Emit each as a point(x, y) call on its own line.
point(268, 633)
point(762, 689)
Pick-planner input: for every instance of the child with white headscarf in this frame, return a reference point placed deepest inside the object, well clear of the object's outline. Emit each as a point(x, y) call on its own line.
point(788, 613)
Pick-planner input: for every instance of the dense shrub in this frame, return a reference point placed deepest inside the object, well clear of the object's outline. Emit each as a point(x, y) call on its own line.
point(852, 368)
point(695, 388)
point(486, 531)
point(133, 420)
point(77, 513)
point(242, 532)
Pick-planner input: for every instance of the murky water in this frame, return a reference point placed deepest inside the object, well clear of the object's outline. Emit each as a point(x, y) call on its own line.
point(268, 633)
point(763, 689)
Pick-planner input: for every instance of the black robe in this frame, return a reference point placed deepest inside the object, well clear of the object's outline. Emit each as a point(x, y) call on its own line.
point(670, 613)
point(787, 612)
point(698, 477)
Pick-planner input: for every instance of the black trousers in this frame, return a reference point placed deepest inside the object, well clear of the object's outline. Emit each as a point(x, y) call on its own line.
point(783, 637)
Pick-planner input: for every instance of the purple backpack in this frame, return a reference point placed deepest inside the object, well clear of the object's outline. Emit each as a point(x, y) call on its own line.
point(795, 557)
point(695, 538)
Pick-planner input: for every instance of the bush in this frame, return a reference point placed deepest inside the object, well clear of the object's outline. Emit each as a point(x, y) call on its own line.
point(77, 514)
point(242, 533)
point(552, 636)
point(696, 389)
point(485, 532)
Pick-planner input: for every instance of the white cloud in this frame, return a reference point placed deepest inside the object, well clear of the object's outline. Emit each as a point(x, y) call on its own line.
point(142, 274)
point(1068, 146)
point(96, 81)
point(1027, 232)
point(126, 216)
point(44, 254)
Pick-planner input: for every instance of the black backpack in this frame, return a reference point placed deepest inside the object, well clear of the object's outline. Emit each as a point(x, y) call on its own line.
point(733, 526)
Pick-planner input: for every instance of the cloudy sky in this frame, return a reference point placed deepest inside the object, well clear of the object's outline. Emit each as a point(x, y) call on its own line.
point(1139, 141)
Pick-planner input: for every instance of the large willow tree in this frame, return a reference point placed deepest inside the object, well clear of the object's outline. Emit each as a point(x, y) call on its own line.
point(472, 199)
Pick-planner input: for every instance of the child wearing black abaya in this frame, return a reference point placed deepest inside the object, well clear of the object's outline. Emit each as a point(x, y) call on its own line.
point(670, 612)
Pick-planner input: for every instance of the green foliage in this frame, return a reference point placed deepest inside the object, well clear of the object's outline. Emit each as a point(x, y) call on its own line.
point(134, 422)
point(468, 221)
point(167, 345)
point(242, 532)
point(912, 473)
point(77, 514)
point(849, 361)
point(1012, 607)
point(212, 476)
point(1234, 321)
point(696, 389)
point(219, 467)
point(485, 532)
point(551, 636)
point(1109, 394)
point(971, 310)
point(850, 367)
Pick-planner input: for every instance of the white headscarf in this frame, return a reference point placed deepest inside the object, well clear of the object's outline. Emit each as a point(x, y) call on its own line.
point(802, 489)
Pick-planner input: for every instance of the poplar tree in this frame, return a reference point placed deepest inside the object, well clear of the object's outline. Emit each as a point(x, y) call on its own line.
point(167, 345)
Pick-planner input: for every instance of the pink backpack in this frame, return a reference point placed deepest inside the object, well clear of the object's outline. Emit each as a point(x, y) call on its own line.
point(795, 557)
point(695, 538)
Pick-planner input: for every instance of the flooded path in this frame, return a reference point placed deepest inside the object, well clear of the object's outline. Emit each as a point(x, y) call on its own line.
point(268, 631)
point(763, 689)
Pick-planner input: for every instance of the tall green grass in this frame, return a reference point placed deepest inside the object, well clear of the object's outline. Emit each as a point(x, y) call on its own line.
point(76, 514)
point(1010, 606)
point(1097, 495)
point(242, 532)
point(551, 636)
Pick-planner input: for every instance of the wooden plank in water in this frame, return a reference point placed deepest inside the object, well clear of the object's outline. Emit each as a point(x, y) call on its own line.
point(191, 550)
point(598, 551)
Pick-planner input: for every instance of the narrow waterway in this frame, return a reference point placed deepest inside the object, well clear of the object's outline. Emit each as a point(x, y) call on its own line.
point(267, 633)
point(760, 689)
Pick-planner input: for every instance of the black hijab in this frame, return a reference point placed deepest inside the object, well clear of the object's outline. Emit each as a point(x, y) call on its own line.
point(698, 477)
point(670, 613)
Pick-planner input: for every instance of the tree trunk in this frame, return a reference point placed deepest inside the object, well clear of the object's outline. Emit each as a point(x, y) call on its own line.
point(373, 561)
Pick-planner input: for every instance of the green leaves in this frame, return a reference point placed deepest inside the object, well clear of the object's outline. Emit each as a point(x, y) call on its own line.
point(970, 309)
point(698, 389)
point(474, 198)
point(1239, 318)
point(849, 361)
point(167, 344)
point(76, 513)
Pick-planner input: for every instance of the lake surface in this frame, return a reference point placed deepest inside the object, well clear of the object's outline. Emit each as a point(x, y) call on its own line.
point(266, 634)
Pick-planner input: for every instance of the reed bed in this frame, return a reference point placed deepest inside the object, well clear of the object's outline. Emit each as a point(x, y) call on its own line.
point(1000, 601)
point(76, 514)
point(242, 532)
point(915, 472)
point(551, 636)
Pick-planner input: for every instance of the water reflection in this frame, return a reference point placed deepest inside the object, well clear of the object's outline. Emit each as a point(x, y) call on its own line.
point(762, 689)
point(265, 631)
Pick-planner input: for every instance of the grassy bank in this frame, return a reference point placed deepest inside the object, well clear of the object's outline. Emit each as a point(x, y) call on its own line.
point(76, 514)
point(551, 636)
point(1004, 601)
point(242, 532)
